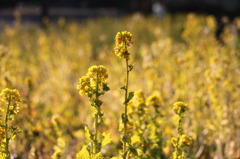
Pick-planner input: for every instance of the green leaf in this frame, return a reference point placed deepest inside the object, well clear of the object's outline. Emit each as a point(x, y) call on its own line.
point(130, 67)
point(127, 138)
point(133, 150)
point(107, 138)
point(105, 88)
point(130, 96)
point(123, 87)
point(83, 154)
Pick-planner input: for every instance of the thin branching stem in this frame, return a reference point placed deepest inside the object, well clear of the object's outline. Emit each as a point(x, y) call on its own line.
point(125, 113)
point(6, 127)
point(96, 117)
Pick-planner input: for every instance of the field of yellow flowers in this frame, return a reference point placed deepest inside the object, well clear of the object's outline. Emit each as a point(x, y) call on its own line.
point(130, 88)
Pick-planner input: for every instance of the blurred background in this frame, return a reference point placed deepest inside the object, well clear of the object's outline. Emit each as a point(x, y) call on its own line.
point(35, 10)
point(184, 50)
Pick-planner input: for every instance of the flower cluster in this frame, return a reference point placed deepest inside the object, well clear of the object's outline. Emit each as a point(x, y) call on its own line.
point(123, 41)
point(98, 76)
point(94, 84)
point(10, 100)
point(154, 100)
point(182, 141)
point(12, 96)
point(2, 132)
point(94, 80)
point(180, 107)
point(7, 93)
point(139, 99)
point(185, 141)
point(84, 85)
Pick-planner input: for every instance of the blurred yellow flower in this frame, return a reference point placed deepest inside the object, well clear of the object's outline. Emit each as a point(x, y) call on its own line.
point(12, 95)
point(154, 100)
point(180, 107)
point(2, 132)
point(185, 141)
point(139, 99)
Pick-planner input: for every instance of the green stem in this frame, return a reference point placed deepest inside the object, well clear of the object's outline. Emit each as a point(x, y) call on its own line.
point(180, 129)
point(6, 127)
point(125, 114)
point(180, 132)
point(96, 134)
point(96, 118)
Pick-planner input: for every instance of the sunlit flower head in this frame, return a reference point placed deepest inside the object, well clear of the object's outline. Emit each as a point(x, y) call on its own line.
point(123, 41)
point(180, 107)
point(139, 99)
point(185, 141)
point(10, 95)
point(96, 78)
point(84, 85)
point(2, 132)
point(154, 100)
point(124, 37)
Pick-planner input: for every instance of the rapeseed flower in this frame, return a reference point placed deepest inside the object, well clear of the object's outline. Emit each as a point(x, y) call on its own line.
point(185, 141)
point(7, 93)
point(123, 40)
point(2, 132)
point(154, 100)
point(13, 96)
point(139, 99)
point(180, 107)
point(96, 77)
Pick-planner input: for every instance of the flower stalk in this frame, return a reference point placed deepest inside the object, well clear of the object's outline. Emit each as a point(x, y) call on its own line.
point(10, 100)
point(182, 141)
point(94, 84)
point(123, 41)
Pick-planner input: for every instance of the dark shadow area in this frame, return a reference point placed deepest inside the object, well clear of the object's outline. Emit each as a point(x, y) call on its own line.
point(37, 11)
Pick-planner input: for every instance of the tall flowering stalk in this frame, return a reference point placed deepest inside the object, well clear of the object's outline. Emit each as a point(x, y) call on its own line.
point(123, 42)
point(145, 122)
point(10, 100)
point(156, 141)
point(182, 142)
point(138, 113)
point(94, 84)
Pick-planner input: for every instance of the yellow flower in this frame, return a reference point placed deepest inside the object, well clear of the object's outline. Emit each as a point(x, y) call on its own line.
point(57, 154)
point(2, 132)
point(185, 141)
point(1, 110)
point(180, 107)
point(174, 141)
point(84, 85)
point(12, 95)
point(154, 100)
point(97, 75)
point(139, 99)
point(11, 107)
point(124, 37)
point(123, 41)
